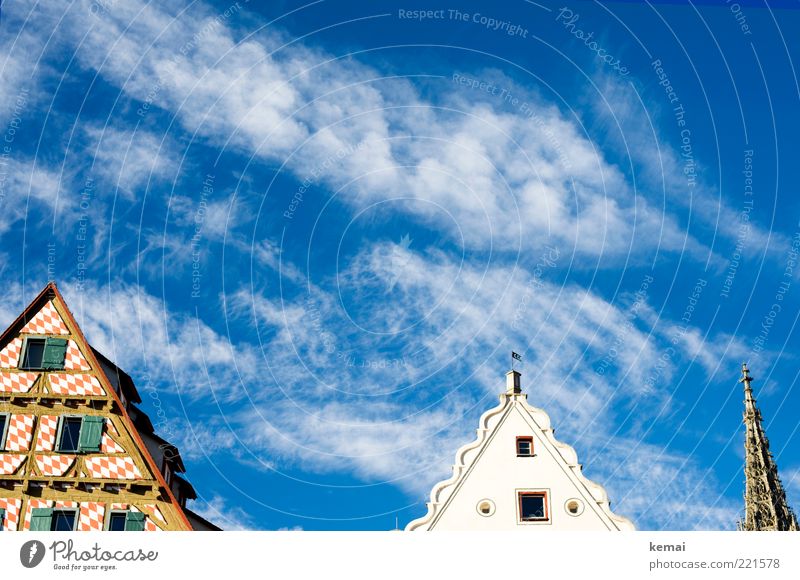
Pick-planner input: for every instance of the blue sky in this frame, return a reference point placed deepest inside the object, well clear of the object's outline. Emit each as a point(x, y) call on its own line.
point(313, 233)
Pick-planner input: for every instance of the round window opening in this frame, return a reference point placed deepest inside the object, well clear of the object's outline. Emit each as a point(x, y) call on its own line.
point(574, 507)
point(485, 507)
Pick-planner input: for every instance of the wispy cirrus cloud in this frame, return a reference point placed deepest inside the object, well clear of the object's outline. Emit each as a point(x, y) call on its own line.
point(223, 513)
point(494, 170)
point(130, 160)
point(659, 488)
point(175, 350)
point(26, 185)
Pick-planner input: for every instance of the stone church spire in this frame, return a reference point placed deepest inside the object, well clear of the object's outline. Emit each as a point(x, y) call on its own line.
point(764, 498)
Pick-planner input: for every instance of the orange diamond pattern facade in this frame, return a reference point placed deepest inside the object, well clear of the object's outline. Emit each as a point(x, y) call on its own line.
point(112, 468)
point(11, 508)
point(20, 432)
point(92, 514)
point(46, 438)
point(10, 462)
point(17, 382)
point(108, 445)
point(9, 355)
point(55, 465)
point(47, 321)
point(74, 360)
point(83, 384)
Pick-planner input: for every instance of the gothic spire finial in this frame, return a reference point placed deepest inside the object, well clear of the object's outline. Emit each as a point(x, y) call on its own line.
point(746, 378)
point(748, 389)
point(765, 500)
point(745, 373)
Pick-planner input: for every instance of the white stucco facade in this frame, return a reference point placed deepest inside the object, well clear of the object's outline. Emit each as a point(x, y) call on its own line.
point(495, 487)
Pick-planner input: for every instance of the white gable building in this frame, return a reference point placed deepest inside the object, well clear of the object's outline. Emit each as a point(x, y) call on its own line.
point(517, 476)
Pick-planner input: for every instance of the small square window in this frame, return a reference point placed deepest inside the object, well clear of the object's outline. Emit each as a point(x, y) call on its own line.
point(524, 446)
point(533, 506)
point(34, 353)
point(63, 521)
point(69, 437)
point(116, 522)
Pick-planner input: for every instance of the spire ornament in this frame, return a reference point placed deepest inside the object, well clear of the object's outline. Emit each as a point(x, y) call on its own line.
point(764, 497)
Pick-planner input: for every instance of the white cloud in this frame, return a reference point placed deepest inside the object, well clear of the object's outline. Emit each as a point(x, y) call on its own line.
point(21, 69)
point(26, 184)
point(662, 489)
point(32, 193)
point(375, 441)
point(211, 438)
point(677, 177)
point(130, 160)
point(501, 175)
point(218, 510)
point(14, 300)
point(179, 352)
point(713, 352)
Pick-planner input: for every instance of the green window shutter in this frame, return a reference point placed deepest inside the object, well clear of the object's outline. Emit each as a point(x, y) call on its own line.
point(91, 434)
point(41, 519)
point(55, 349)
point(134, 522)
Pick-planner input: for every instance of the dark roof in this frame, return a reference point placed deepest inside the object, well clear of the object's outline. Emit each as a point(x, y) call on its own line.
point(187, 489)
point(145, 427)
point(141, 421)
point(125, 381)
point(171, 454)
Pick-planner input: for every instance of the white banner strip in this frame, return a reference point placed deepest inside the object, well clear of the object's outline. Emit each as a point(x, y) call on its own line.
point(388, 555)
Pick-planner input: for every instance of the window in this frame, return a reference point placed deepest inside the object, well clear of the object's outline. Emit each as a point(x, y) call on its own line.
point(44, 353)
point(3, 425)
point(524, 446)
point(53, 520)
point(167, 472)
point(70, 434)
point(127, 521)
point(116, 522)
point(34, 351)
point(533, 506)
point(63, 521)
point(2, 519)
point(80, 434)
